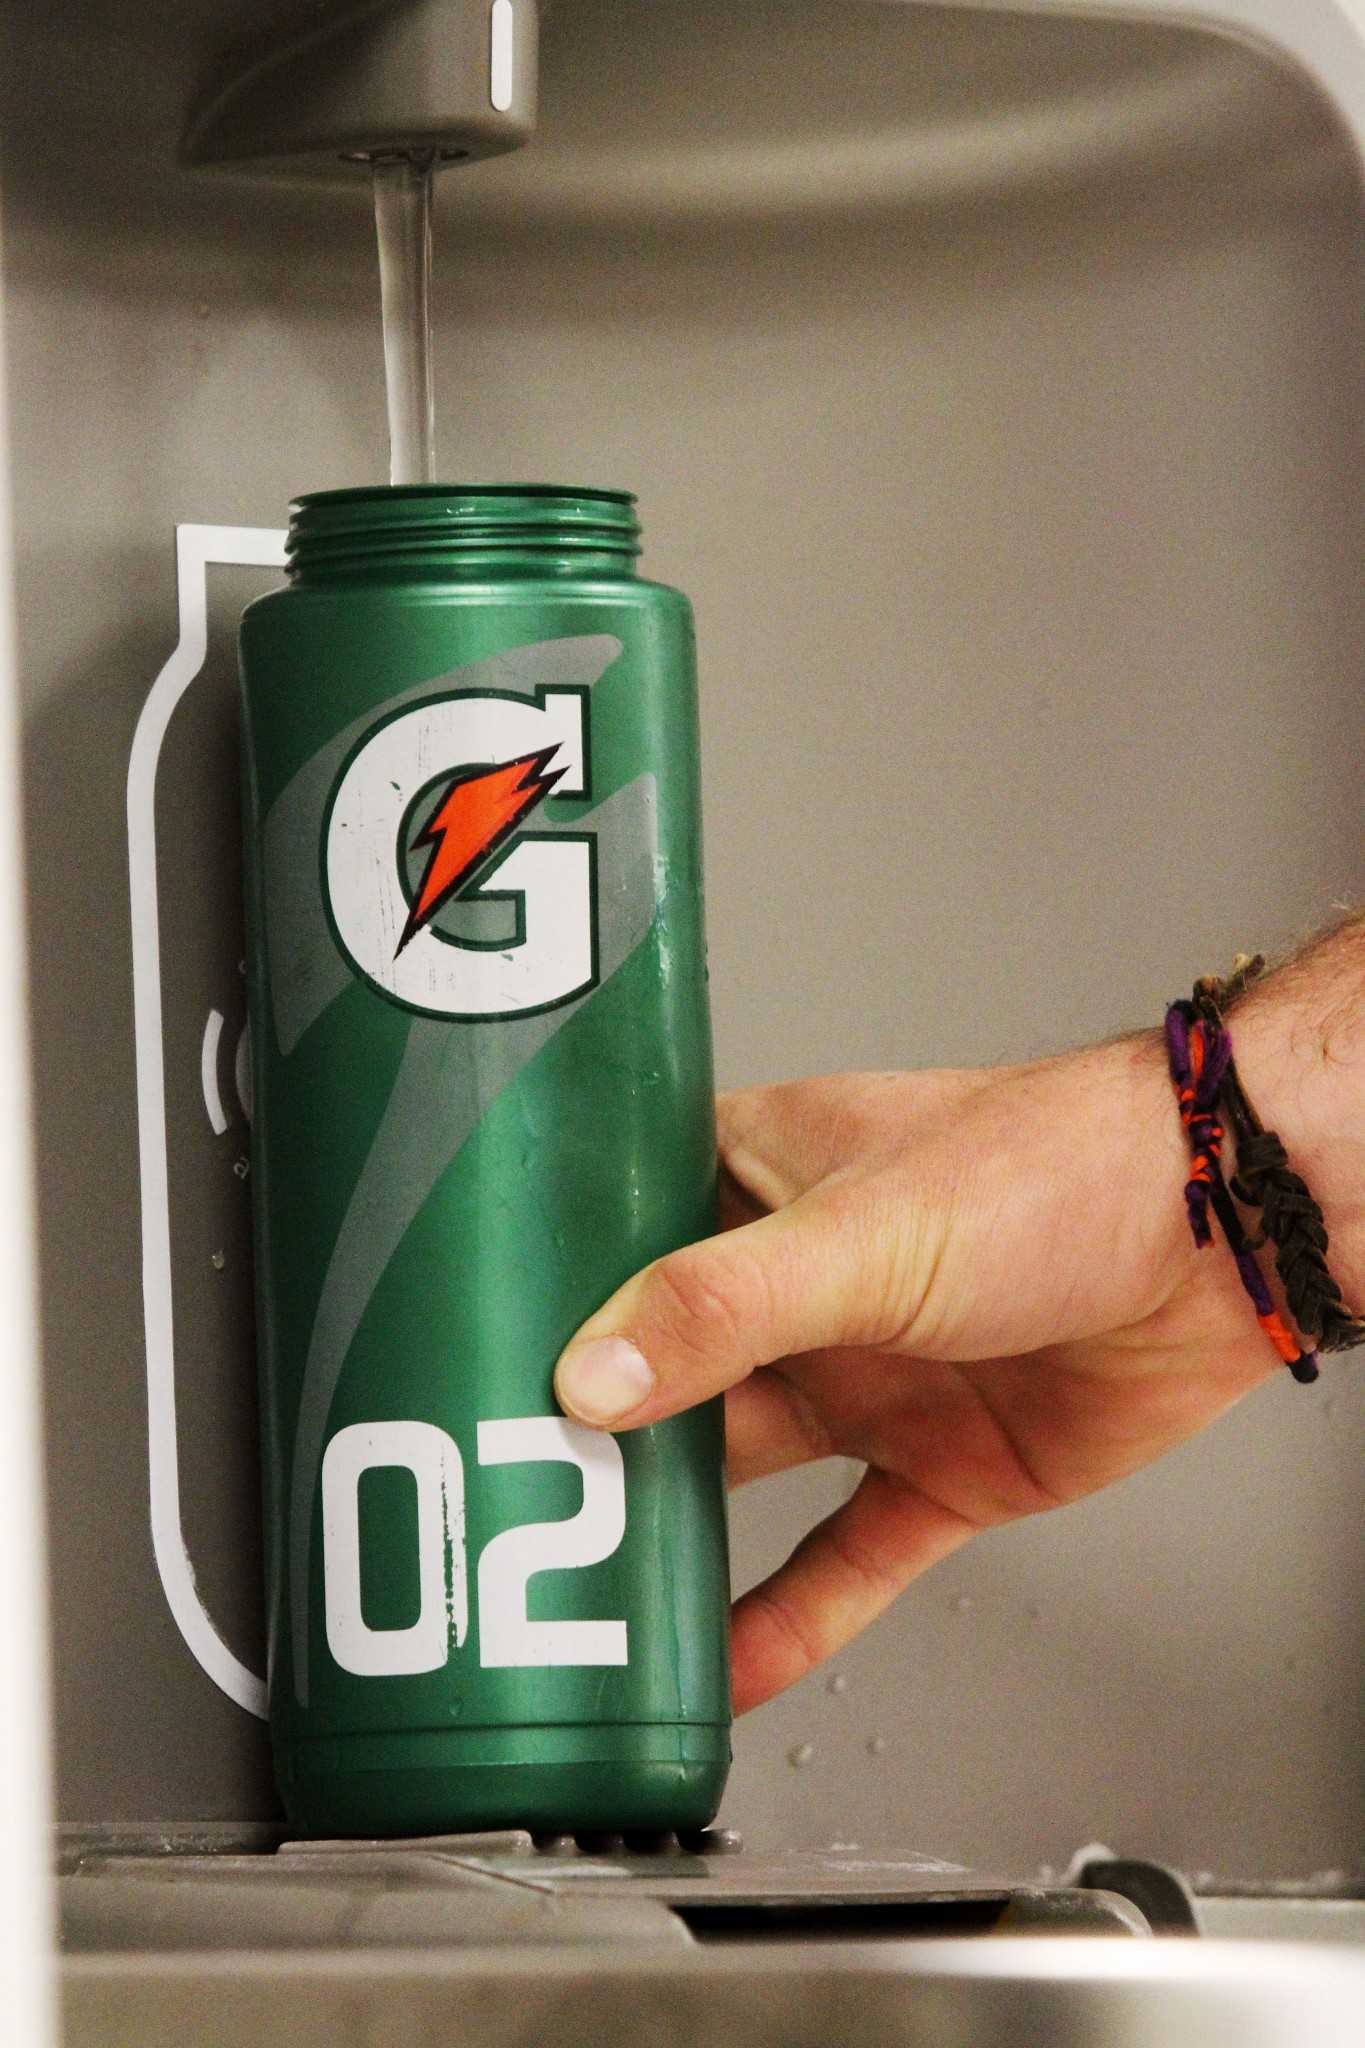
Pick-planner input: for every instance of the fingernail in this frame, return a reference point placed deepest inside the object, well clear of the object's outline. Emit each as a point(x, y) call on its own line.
point(603, 1379)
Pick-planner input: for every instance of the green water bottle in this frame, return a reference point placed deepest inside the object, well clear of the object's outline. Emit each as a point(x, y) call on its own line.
point(483, 1097)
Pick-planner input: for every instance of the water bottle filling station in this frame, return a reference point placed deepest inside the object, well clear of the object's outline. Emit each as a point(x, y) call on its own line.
point(989, 381)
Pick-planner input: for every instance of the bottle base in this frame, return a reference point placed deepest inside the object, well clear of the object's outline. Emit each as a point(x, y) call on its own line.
point(550, 1780)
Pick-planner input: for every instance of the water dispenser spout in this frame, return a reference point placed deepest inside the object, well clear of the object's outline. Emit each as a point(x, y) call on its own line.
point(361, 82)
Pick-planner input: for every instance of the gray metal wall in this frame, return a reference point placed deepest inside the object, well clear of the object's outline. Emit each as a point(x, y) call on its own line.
point(998, 460)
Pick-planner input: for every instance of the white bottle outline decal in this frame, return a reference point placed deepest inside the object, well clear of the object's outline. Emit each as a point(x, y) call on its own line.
point(251, 547)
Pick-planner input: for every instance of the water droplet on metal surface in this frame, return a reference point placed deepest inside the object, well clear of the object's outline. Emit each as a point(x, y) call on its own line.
point(836, 1683)
point(876, 1745)
point(711, 1841)
point(800, 1755)
point(217, 1261)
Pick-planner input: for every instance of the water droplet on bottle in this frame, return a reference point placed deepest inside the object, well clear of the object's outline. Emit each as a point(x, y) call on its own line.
point(217, 1261)
point(802, 1754)
point(837, 1683)
point(876, 1745)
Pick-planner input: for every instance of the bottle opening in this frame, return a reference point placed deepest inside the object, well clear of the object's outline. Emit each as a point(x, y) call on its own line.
point(456, 528)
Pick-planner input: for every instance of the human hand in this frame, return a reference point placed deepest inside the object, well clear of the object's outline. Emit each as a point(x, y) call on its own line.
point(980, 1284)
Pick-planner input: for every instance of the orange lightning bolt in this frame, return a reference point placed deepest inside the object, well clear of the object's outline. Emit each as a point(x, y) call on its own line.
point(478, 813)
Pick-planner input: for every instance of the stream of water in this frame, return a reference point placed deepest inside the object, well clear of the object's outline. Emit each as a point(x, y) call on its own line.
point(402, 218)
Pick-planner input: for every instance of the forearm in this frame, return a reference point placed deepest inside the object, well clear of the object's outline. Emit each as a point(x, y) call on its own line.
point(1299, 1040)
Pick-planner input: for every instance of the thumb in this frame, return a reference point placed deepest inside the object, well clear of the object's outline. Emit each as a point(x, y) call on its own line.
point(703, 1318)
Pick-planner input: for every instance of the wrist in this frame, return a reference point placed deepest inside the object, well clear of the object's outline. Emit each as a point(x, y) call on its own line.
point(1299, 1041)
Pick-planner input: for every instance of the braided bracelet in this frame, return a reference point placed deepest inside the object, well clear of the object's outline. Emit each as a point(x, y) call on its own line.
point(1206, 1081)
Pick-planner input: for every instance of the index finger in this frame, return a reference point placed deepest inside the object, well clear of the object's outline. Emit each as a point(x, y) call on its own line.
point(778, 1141)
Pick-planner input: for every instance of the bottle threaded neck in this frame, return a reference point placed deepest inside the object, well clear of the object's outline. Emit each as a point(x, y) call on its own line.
point(462, 531)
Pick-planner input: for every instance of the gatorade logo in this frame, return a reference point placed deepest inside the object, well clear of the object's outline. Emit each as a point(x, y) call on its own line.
point(440, 891)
